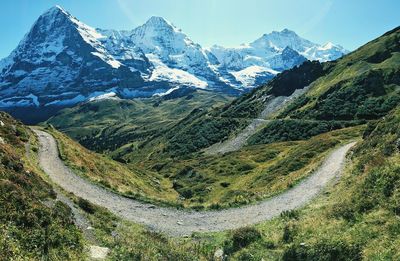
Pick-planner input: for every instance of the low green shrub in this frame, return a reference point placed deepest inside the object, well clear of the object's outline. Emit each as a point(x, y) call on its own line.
point(241, 238)
point(327, 250)
point(292, 130)
point(289, 232)
point(290, 214)
point(86, 206)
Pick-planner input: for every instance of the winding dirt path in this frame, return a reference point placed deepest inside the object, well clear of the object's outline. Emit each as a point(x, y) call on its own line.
point(240, 140)
point(180, 222)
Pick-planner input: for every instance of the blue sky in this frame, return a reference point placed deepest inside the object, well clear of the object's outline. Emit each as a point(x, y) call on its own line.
point(225, 22)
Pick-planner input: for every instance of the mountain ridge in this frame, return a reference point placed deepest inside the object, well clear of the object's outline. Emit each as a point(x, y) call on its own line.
point(62, 61)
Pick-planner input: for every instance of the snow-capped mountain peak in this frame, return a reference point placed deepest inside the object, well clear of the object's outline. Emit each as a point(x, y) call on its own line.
point(56, 20)
point(62, 61)
point(327, 46)
point(54, 11)
point(175, 57)
point(326, 52)
point(332, 46)
point(57, 16)
point(287, 31)
point(281, 40)
point(160, 36)
point(159, 22)
point(59, 62)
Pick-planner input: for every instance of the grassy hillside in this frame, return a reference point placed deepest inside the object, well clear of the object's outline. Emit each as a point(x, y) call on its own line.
point(355, 219)
point(361, 86)
point(197, 131)
point(364, 84)
point(132, 182)
point(205, 181)
point(110, 124)
point(250, 174)
point(32, 228)
point(294, 129)
point(36, 227)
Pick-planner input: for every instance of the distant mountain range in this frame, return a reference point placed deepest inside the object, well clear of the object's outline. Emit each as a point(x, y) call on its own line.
point(62, 61)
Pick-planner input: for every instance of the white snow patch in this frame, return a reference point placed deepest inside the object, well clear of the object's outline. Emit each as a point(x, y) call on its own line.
point(97, 95)
point(160, 94)
point(62, 94)
point(162, 72)
point(248, 75)
point(127, 93)
point(104, 96)
point(34, 99)
point(327, 46)
point(114, 63)
point(75, 100)
point(20, 101)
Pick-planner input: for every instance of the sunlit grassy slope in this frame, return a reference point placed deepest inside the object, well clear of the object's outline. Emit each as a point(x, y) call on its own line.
point(109, 124)
point(218, 181)
point(133, 182)
point(356, 218)
point(30, 229)
point(362, 85)
point(253, 173)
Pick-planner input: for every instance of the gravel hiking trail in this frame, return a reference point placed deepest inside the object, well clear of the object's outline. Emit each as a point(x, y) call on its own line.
point(176, 222)
point(240, 140)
